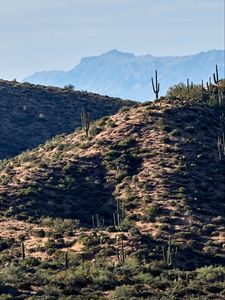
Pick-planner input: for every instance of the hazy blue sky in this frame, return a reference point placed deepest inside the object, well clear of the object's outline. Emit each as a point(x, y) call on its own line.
point(54, 34)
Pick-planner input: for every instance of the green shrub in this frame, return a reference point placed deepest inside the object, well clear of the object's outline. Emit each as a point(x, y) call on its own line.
point(180, 90)
point(211, 274)
point(15, 276)
point(123, 292)
point(39, 233)
point(152, 212)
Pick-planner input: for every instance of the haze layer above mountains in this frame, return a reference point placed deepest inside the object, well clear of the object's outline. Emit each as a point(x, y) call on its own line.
point(125, 75)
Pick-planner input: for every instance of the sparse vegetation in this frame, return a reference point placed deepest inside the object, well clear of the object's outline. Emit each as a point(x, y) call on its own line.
point(135, 210)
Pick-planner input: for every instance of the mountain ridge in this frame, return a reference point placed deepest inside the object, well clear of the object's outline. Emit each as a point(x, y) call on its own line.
point(122, 74)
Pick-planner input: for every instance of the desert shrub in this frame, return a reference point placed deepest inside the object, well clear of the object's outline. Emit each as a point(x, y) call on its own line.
point(126, 143)
point(98, 126)
point(52, 290)
point(180, 90)
point(95, 130)
point(103, 278)
point(6, 296)
point(74, 278)
point(152, 212)
point(6, 243)
point(39, 233)
point(15, 276)
point(211, 274)
point(176, 132)
point(69, 87)
point(124, 109)
point(135, 233)
point(60, 226)
point(145, 278)
point(125, 224)
point(123, 292)
point(31, 262)
point(209, 228)
point(112, 124)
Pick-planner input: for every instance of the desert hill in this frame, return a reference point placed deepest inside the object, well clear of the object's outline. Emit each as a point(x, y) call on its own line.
point(137, 206)
point(31, 114)
point(149, 157)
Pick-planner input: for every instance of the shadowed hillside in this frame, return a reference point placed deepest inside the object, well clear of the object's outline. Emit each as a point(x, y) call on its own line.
point(31, 114)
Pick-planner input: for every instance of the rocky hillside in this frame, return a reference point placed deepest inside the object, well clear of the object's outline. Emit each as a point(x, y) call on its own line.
point(156, 161)
point(138, 207)
point(31, 114)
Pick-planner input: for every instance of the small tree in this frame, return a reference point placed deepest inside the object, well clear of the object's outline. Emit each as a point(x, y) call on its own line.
point(69, 87)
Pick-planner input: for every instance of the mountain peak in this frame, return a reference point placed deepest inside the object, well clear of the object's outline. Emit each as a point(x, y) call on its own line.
point(118, 53)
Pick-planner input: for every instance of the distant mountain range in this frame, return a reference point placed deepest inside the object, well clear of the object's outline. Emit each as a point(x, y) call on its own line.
point(127, 76)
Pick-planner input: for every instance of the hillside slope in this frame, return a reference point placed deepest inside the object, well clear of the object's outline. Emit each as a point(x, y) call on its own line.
point(128, 76)
point(159, 162)
point(134, 211)
point(30, 115)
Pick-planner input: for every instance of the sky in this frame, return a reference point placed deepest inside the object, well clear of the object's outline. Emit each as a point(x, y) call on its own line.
point(37, 35)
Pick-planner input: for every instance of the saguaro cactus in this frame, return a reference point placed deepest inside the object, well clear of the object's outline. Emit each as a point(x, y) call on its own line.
point(221, 139)
point(119, 214)
point(156, 86)
point(66, 260)
point(121, 255)
point(23, 250)
point(85, 122)
point(209, 87)
point(222, 120)
point(202, 90)
point(169, 254)
point(188, 86)
point(221, 146)
point(99, 222)
point(216, 76)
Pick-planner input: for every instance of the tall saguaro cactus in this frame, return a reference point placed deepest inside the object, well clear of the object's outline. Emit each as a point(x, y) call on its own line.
point(209, 87)
point(121, 254)
point(66, 260)
point(188, 86)
point(156, 86)
point(216, 76)
point(23, 250)
point(202, 90)
point(99, 222)
point(118, 215)
point(169, 254)
point(85, 122)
